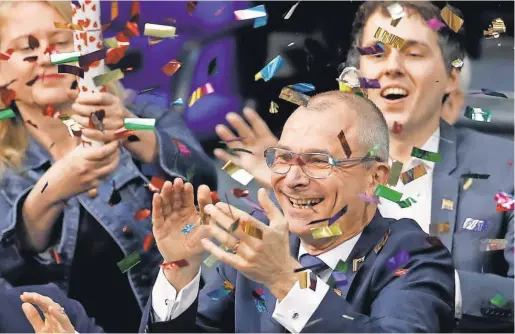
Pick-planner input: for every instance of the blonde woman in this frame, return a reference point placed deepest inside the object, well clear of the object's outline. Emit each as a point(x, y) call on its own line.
point(51, 229)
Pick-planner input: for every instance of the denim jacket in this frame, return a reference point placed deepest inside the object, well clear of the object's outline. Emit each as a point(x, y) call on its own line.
point(128, 180)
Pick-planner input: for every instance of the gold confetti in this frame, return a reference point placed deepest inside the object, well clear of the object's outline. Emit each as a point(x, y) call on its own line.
point(326, 231)
point(253, 231)
point(457, 63)
point(356, 263)
point(447, 204)
point(274, 108)
point(303, 277)
point(495, 29)
point(389, 38)
point(450, 18)
point(467, 184)
point(413, 174)
point(237, 173)
point(71, 26)
point(439, 228)
point(158, 30)
point(210, 260)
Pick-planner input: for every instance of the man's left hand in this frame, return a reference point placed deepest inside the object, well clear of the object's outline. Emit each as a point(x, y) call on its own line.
point(55, 319)
point(267, 260)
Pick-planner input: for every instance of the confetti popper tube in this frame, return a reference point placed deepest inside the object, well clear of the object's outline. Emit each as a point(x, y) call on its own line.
point(64, 58)
point(158, 30)
point(389, 194)
point(425, 155)
point(86, 42)
point(129, 261)
point(139, 123)
point(6, 113)
point(326, 231)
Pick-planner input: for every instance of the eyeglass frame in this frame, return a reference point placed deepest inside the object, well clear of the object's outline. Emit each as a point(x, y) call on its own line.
point(332, 161)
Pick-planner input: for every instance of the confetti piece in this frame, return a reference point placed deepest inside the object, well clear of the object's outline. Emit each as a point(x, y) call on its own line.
point(489, 92)
point(7, 54)
point(70, 69)
point(447, 204)
point(253, 231)
point(347, 317)
point(368, 198)
point(111, 42)
point(478, 114)
point(157, 182)
point(344, 144)
point(400, 272)
point(33, 81)
point(450, 18)
point(467, 184)
point(303, 278)
point(139, 123)
point(6, 114)
point(435, 24)
point(439, 228)
point(49, 111)
point(389, 38)
point(290, 12)
point(475, 176)
point(31, 59)
point(237, 173)
point(129, 262)
point(372, 50)
point(261, 21)
point(55, 255)
point(373, 150)
point(326, 231)
point(250, 13)
point(142, 214)
point(212, 69)
point(396, 13)
point(302, 87)
point(88, 59)
point(398, 260)
point(434, 241)
point(199, 92)
point(104, 79)
point(223, 291)
point(214, 197)
point(457, 63)
point(71, 26)
point(210, 260)
point(190, 7)
point(389, 194)
point(96, 119)
point(356, 263)
point(174, 264)
point(495, 29)
point(33, 42)
point(27, 121)
point(270, 69)
point(498, 300)
point(395, 173)
point(171, 67)
point(487, 245)
point(74, 128)
point(234, 151)
point(234, 226)
point(350, 77)
point(397, 128)
point(182, 148)
point(63, 58)
point(475, 225)
point(158, 30)
point(115, 197)
point(190, 173)
point(333, 219)
point(406, 203)
point(425, 155)
point(369, 83)
point(274, 108)
point(413, 174)
point(44, 187)
point(292, 96)
point(178, 102)
point(240, 193)
point(148, 242)
point(505, 202)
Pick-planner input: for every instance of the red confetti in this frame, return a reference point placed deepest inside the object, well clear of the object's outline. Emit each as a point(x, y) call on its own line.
point(50, 49)
point(400, 272)
point(6, 55)
point(510, 163)
point(214, 197)
point(174, 264)
point(142, 214)
point(55, 256)
point(219, 11)
point(148, 242)
point(172, 67)
point(184, 150)
point(7, 95)
point(397, 127)
point(156, 184)
point(49, 111)
point(190, 7)
point(239, 193)
point(123, 133)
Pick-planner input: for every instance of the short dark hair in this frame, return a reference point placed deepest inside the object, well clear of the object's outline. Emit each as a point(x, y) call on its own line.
point(449, 41)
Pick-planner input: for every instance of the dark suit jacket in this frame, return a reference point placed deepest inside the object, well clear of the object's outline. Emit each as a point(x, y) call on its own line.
point(421, 300)
point(13, 320)
point(482, 274)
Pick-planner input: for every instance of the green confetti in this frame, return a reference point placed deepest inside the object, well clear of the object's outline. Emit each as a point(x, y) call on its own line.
point(478, 114)
point(498, 300)
point(212, 68)
point(373, 150)
point(129, 261)
point(425, 155)
point(407, 202)
point(395, 173)
point(210, 260)
point(389, 194)
point(6, 114)
point(235, 225)
point(64, 58)
point(233, 151)
point(341, 266)
point(139, 123)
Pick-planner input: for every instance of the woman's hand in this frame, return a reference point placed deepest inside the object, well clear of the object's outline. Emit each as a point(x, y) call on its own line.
point(55, 319)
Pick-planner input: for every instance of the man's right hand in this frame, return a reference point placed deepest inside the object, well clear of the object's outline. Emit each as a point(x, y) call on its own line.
point(172, 210)
point(257, 138)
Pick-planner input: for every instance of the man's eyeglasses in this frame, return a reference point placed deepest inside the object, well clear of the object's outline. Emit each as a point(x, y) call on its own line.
point(314, 165)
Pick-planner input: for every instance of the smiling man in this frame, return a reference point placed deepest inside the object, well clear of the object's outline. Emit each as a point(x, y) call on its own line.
point(364, 273)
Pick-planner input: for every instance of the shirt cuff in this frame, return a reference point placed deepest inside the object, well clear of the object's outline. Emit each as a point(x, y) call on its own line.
point(295, 310)
point(457, 298)
point(166, 304)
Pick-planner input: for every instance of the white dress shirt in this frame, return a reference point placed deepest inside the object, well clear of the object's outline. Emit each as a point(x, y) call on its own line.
point(168, 305)
point(421, 190)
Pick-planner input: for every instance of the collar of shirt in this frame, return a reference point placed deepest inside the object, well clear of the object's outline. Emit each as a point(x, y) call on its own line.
point(432, 145)
point(340, 252)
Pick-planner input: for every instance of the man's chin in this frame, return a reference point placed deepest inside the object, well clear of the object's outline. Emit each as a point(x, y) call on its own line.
point(53, 97)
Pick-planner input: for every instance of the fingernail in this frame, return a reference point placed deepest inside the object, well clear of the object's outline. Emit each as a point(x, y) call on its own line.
point(75, 84)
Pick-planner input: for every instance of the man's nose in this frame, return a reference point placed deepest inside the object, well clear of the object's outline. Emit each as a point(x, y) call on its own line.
point(394, 66)
point(296, 177)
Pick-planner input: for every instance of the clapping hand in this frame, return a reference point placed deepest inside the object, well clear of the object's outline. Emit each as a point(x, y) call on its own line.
point(54, 320)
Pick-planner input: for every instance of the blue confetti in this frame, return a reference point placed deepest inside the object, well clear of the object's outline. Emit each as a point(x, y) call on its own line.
point(302, 87)
point(187, 229)
point(178, 102)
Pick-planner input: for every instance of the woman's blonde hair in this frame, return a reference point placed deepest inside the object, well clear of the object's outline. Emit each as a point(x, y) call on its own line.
point(14, 137)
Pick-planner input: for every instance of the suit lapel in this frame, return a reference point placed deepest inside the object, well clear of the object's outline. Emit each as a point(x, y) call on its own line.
point(445, 186)
point(268, 324)
point(369, 238)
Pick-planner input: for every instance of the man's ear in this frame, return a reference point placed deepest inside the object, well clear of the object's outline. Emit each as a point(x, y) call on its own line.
point(379, 174)
point(453, 82)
